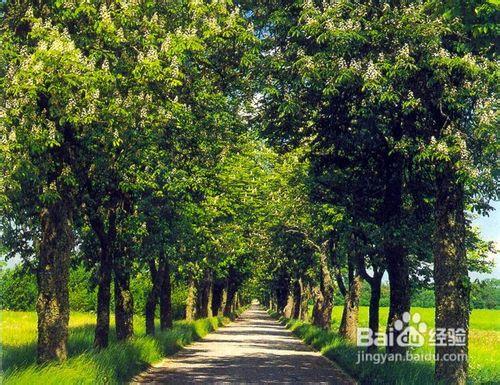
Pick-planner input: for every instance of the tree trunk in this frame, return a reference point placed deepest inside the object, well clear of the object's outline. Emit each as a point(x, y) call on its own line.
point(272, 303)
point(206, 295)
point(296, 299)
point(282, 293)
point(53, 274)
point(349, 323)
point(288, 311)
point(191, 300)
point(150, 312)
point(153, 294)
point(101, 335)
point(234, 305)
point(322, 310)
point(124, 305)
point(374, 317)
point(217, 294)
point(397, 267)
point(104, 277)
point(231, 291)
point(452, 286)
point(224, 298)
point(394, 250)
point(304, 302)
point(165, 295)
point(210, 299)
point(319, 318)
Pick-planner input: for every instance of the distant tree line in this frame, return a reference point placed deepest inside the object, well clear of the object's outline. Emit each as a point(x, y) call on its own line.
point(20, 292)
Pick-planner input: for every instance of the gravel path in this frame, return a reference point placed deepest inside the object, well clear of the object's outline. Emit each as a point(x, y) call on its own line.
point(254, 349)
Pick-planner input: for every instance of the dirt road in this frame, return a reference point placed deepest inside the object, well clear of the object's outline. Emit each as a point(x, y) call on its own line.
point(255, 349)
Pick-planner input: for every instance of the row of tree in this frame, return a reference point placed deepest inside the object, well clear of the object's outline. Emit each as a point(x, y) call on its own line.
point(288, 150)
point(119, 122)
point(393, 107)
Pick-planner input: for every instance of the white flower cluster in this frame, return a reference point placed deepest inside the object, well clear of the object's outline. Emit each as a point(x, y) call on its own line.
point(155, 19)
point(441, 148)
point(343, 25)
point(371, 71)
point(469, 59)
point(166, 44)
point(152, 54)
point(104, 14)
point(213, 25)
point(488, 114)
point(404, 52)
point(442, 53)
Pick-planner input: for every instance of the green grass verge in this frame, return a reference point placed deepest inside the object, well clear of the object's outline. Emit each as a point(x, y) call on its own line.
point(116, 364)
point(484, 351)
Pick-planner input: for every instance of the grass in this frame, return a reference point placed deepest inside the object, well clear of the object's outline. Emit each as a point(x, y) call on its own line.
point(115, 365)
point(484, 349)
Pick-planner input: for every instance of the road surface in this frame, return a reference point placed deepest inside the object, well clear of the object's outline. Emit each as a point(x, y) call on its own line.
point(255, 349)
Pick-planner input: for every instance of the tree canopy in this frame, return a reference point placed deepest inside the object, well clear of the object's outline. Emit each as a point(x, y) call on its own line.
point(283, 150)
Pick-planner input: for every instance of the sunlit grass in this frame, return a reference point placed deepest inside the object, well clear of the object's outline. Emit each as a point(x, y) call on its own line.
point(114, 365)
point(484, 349)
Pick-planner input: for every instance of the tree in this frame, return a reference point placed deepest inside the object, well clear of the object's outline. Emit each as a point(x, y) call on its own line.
point(40, 127)
point(128, 89)
point(400, 78)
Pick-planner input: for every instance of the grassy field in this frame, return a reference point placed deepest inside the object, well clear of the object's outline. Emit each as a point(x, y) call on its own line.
point(114, 365)
point(484, 349)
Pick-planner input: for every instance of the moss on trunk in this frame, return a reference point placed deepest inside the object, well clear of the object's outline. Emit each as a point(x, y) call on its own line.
point(452, 286)
point(124, 304)
point(53, 274)
point(349, 322)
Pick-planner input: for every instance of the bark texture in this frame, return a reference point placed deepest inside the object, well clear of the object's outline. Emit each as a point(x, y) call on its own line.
point(224, 298)
point(165, 295)
point(288, 311)
point(191, 300)
point(374, 316)
point(452, 284)
point(104, 275)
point(375, 282)
point(349, 322)
point(282, 293)
point(297, 293)
point(397, 267)
point(231, 292)
point(206, 295)
point(322, 310)
point(124, 304)
point(217, 297)
point(151, 301)
point(304, 301)
point(53, 274)
point(101, 335)
point(394, 250)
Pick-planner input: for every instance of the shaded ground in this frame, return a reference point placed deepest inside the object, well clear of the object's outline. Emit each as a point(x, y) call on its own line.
point(254, 349)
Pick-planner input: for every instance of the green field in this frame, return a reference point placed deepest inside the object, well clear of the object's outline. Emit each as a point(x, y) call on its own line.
point(484, 349)
point(481, 319)
point(114, 365)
